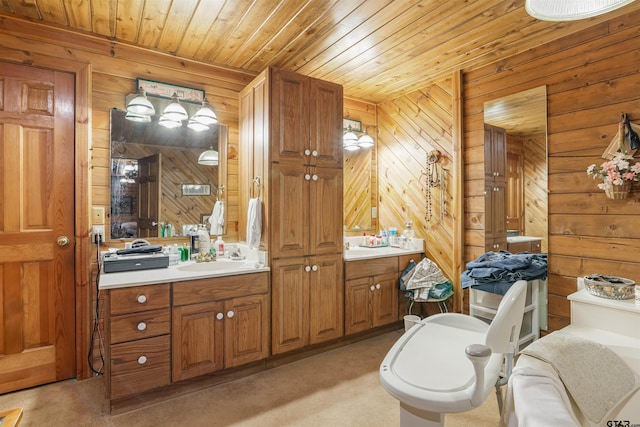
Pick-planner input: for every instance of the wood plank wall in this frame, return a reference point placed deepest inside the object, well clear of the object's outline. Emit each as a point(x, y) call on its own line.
point(408, 128)
point(591, 77)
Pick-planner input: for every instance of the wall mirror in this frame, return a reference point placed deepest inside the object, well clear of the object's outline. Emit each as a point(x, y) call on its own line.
point(357, 190)
point(158, 189)
point(524, 117)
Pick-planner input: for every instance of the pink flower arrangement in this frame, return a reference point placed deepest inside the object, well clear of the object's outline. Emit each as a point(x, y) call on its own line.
point(616, 171)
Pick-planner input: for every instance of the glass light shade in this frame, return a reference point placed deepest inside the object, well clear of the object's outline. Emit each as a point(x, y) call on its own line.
point(208, 158)
point(134, 117)
point(571, 10)
point(205, 115)
point(348, 138)
point(365, 141)
point(351, 146)
point(168, 123)
point(140, 105)
point(196, 126)
point(175, 111)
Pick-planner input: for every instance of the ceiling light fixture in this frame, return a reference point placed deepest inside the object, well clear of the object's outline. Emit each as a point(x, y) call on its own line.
point(571, 10)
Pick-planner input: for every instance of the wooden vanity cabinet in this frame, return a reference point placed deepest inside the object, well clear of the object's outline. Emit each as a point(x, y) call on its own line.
point(371, 293)
point(307, 301)
point(137, 338)
point(219, 323)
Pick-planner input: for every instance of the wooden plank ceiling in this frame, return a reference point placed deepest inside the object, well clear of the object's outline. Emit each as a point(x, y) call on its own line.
point(377, 49)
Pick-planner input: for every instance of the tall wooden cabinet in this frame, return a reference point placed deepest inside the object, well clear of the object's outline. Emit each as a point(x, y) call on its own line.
point(291, 158)
point(495, 208)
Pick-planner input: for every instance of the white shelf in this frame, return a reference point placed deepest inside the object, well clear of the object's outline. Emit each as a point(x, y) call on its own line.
point(484, 305)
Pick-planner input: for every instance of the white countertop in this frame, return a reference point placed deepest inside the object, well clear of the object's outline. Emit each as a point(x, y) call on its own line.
point(356, 252)
point(519, 239)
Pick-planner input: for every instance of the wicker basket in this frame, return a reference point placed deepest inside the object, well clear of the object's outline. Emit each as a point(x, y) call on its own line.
point(618, 191)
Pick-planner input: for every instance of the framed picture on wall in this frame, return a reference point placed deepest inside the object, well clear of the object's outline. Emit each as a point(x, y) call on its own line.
point(196, 189)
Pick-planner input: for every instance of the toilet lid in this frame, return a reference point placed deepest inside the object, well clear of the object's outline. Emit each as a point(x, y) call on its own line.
point(434, 358)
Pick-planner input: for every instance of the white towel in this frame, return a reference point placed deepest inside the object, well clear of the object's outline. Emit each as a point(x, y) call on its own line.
point(216, 220)
point(254, 223)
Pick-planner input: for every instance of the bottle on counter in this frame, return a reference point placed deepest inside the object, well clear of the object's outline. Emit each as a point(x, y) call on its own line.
point(219, 247)
point(204, 240)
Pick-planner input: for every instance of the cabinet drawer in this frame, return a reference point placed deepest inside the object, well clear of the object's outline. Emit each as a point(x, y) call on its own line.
point(370, 267)
point(146, 324)
point(141, 365)
point(138, 298)
point(220, 288)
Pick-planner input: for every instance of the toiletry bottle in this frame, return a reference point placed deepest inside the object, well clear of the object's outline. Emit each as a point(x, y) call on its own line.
point(219, 245)
point(204, 239)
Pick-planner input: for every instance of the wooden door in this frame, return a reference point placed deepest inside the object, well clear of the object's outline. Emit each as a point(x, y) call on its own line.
point(495, 152)
point(246, 330)
point(290, 211)
point(289, 304)
point(385, 299)
point(358, 296)
point(325, 210)
point(325, 123)
point(198, 340)
point(326, 299)
point(149, 180)
point(37, 323)
point(515, 192)
point(289, 124)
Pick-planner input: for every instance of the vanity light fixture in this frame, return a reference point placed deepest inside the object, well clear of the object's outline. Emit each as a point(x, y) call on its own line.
point(168, 123)
point(208, 158)
point(175, 111)
point(142, 118)
point(365, 141)
point(140, 106)
point(206, 115)
point(571, 10)
point(350, 140)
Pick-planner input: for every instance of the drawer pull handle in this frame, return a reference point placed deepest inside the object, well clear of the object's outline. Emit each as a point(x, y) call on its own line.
point(307, 152)
point(377, 285)
point(314, 153)
point(314, 268)
point(142, 360)
point(142, 299)
point(142, 326)
point(307, 269)
point(372, 288)
point(230, 314)
point(219, 316)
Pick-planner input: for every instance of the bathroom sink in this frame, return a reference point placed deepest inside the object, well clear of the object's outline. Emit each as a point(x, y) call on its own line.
point(218, 266)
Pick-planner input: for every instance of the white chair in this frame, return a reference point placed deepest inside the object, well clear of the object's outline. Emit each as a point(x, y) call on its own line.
point(450, 362)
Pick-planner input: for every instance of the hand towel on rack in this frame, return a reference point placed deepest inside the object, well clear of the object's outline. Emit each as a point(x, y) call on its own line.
point(254, 223)
point(216, 219)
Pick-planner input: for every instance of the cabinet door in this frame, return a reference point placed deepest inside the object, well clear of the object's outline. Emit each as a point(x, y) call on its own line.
point(246, 330)
point(289, 304)
point(495, 220)
point(495, 153)
point(385, 299)
point(326, 299)
point(325, 122)
point(289, 122)
point(290, 211)
point(197, 337)
point(358, 296)
point(325, 222)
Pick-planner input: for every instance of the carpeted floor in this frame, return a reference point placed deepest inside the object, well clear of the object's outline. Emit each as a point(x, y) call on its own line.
point(336, 388)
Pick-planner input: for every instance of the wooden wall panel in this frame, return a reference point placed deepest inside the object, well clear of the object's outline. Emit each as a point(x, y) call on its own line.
point(588, 233)
point(409, 127)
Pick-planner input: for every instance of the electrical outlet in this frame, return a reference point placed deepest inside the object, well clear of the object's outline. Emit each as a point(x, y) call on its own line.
point(97, 231)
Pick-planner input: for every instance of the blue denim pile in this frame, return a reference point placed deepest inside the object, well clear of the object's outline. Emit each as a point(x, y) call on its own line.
point(495, 272)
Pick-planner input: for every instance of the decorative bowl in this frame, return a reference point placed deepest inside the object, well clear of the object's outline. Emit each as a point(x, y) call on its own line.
point(610, 287)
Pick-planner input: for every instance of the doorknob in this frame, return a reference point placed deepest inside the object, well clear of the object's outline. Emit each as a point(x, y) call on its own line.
point(62, 241)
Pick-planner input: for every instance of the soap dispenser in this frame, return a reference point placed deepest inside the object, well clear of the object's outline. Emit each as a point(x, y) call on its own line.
point(204, 240)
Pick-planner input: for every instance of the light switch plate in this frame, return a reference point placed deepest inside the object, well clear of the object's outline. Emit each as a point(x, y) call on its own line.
point(97, 215)
point(374, 212)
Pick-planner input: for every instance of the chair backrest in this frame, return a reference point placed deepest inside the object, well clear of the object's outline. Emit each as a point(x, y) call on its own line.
point(504, 331)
